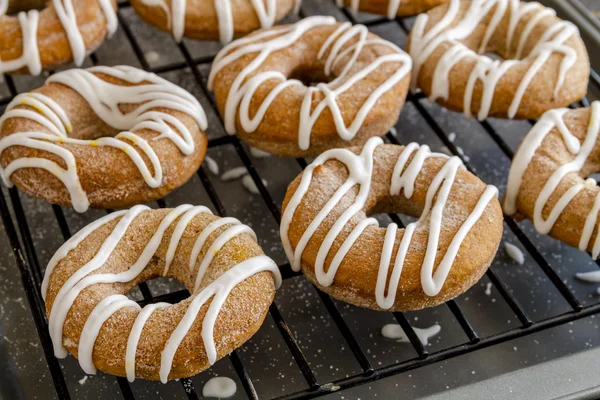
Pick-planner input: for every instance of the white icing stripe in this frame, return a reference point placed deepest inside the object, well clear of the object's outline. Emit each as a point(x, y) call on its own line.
point(65, 12)
point(85, 277)
point(360, 170)
point(534, 139)
point(242, 90)
point(150, 90)
point(392, 9)
point(219, 290)
point(266, 14)
point(488, 71)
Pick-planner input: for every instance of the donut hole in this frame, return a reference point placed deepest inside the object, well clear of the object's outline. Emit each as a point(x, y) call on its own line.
point(17, 6)
point(309, 75)
point(159, 286)
point(89, 126)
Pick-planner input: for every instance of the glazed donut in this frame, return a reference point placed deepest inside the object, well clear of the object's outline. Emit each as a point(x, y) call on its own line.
point(108, 137)
point(64, 31)
point(215, 258)
point(259, 89)
point(545, 63)
point(547, 181)
point(326, 233)
point(213, 19)
point(390, 8)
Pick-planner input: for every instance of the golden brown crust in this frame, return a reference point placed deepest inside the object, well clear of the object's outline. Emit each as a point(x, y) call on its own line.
point(356, 277)
point(540, 93)
point(201, 20)
point(277, 133)
point(407, 7)
point(240, 317)
point(108, 175)
point(52, 41)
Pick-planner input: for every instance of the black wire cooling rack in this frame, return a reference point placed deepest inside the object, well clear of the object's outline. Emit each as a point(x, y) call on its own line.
point(26, 255)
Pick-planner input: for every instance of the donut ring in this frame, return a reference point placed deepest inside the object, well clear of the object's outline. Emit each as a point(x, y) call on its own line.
point(390, 8)
point(260, 99)
point(51, 143)
point(64, 31)
point(213, 19)
point(545, 65)
point(547, 181)
point(326, 232)
point(89, 316)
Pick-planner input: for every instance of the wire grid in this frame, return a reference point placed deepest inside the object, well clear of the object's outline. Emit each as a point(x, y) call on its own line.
point(31, 272)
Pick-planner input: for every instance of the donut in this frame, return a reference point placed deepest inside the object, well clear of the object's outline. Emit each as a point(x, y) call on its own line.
point(213, 19)
point(543, 61)
point(232, 284)
point(326, 232)
point(105, 137)
point(548, 181)
point(63, 31)
point(261, 84)
point(390, 8)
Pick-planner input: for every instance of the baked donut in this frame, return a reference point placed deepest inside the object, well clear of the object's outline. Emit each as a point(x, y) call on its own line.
point(326, 232)
point(213, 19)
point(390, 8)
point(108, 137)
point(63, 31)
point(215, 258)
point(547, 181)
point(544, 63)
point(261, 86)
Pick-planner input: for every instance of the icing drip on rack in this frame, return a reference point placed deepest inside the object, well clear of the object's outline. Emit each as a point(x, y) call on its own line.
point(266, 11)
point(581, 151)
point(242, 89)
point(404, 177)
point(29, 21)
point(392, 10)
point(104, 98)
point(488, 71)
point(84, 277)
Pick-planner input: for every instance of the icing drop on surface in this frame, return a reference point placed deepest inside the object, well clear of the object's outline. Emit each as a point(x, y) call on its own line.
point(515, 253)
point(234, 173)
point(258, 153)
point(395, 332)
point(84, 277)
point(488, 71)
point(104, 98)
point(592, 277)
point(212, 165)
point(29, 21)
point(242, 89)
point(360, 170)
point(220, 387)
point(488, 289)
point(581, 151)
point(250, 186)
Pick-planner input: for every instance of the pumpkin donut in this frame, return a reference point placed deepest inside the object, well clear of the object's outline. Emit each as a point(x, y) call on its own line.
point(390, 8)
point(545, 63)
point(260, 91)
point(63, 31)
point(213, 19)
point(547, 182)
point(108, 137)
point(326, 232)
point(218, 260)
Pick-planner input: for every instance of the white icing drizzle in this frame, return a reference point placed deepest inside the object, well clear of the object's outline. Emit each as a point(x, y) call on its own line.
point(242, 89)
point(29, 21)
point(392, 9)
point(360, 169)
point(266, 11)
point(515, 253)
point(581, 151)
point(220, 387)
point(488, 71)
point(104, 98)
point(212, 165)
point(592, 277)
point(85, 277)
point(395, 332)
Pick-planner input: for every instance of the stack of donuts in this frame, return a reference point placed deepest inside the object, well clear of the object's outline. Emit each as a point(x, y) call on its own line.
point(118, 137)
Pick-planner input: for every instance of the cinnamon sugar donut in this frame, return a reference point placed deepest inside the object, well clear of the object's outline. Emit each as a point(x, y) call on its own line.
point(326, 232)
point(260, 91)
point(218, 260)
point(545, 64)
point(213, 19)
point(547, 182)
point(390, 8)
point(108, 137)
point(63, 31)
